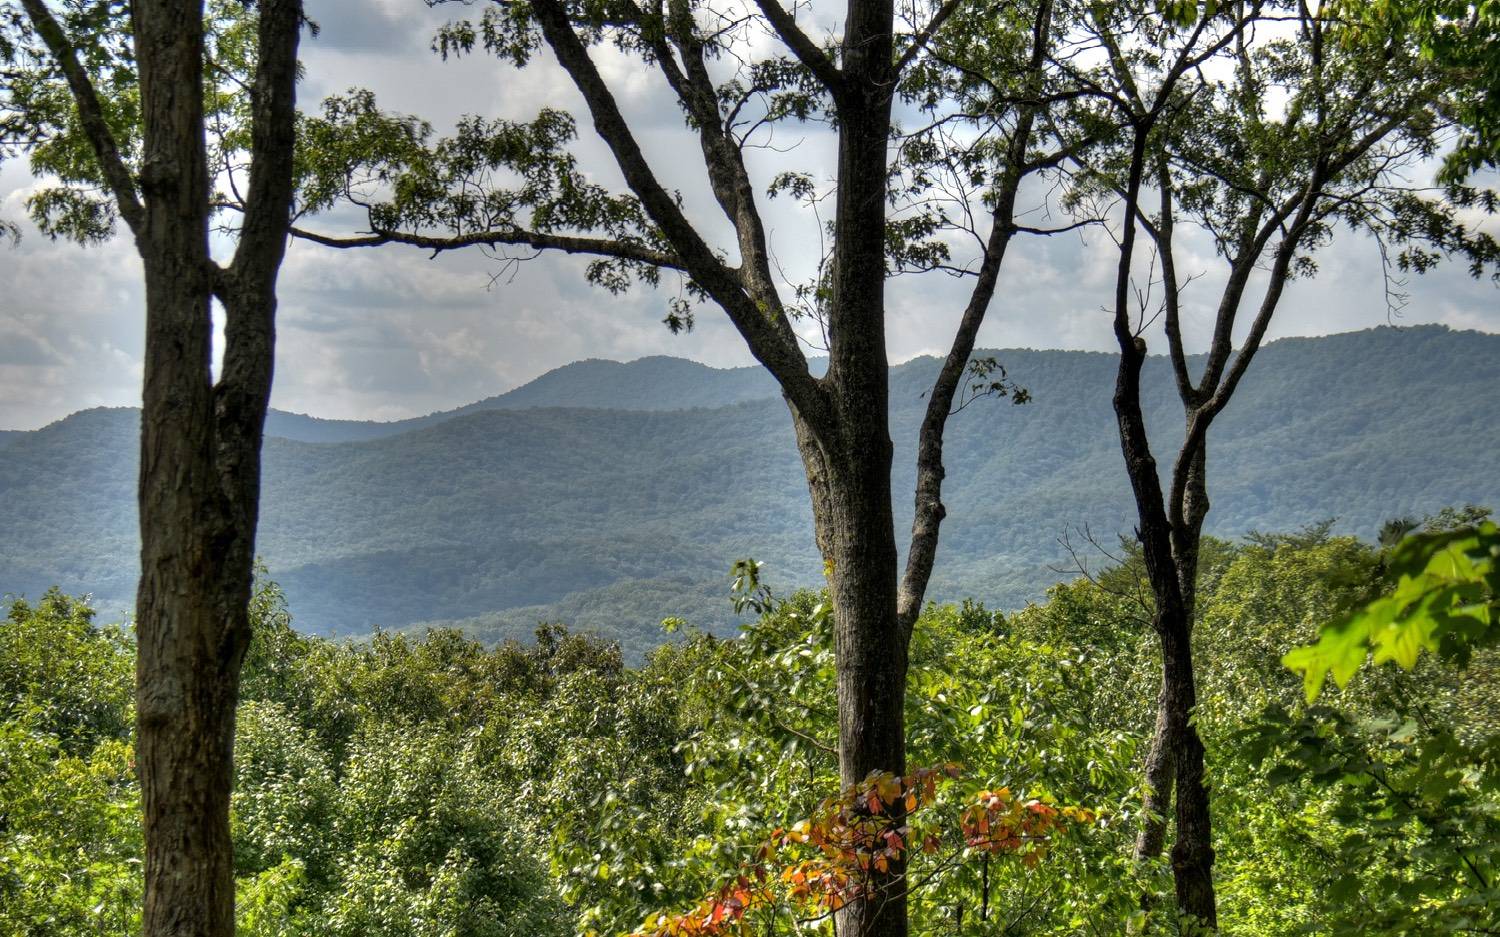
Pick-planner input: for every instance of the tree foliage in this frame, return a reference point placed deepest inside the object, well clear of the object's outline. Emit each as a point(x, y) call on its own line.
point(1439, 593)
point(429, 784)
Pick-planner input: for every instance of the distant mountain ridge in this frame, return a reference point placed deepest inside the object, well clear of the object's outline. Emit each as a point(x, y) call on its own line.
point(543, 504)
point(653, 383)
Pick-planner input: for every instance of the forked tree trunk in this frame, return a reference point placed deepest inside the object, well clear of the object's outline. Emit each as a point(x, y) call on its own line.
point(191, 621)
point(1171, 567)
point(199, 485)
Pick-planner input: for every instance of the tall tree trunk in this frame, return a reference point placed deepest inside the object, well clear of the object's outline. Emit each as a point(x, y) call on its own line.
point(199, 485)
point(1161, 764)
point(851, 495)
point(1192, 851)
point(191, 618)
point(1170, 554)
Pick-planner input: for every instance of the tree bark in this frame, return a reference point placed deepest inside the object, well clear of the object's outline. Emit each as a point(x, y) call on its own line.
point(199, 484)
point(851, 495)
point(1176, 740)
point(1192, 851)
point(1160, 774)
point(191, 620)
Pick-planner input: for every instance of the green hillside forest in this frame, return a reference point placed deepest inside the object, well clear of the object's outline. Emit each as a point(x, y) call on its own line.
point(432, 785)
point(610, 496)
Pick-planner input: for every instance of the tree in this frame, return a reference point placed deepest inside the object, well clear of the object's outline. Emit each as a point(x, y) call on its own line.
point(133, 116)
point(1413, 769)
point(68, 824)
point(1458, 37)
point(1440, 593)
point(975, 81)
point(1267, 181)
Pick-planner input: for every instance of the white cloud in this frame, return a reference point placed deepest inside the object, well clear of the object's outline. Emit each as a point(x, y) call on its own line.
point(391, 333)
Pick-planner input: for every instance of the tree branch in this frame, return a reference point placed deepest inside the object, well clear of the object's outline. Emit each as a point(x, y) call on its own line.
point(273, 97)
point(807, 51)
point(771, 339)
point(248, 288)
point(929, 511)
point(568, 244)
point(920, 41)
point(724, 159)
point(90, 112)
point(1171, 289)
point(1202, 416)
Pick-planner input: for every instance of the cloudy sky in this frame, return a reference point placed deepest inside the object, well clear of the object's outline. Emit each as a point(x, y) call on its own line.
point(391, 333)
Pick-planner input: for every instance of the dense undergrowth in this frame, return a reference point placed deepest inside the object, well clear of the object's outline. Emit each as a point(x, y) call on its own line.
point(433, 786)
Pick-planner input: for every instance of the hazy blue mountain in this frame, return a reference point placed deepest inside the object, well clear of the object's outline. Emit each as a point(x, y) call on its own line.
point(7, 436)
point(657, 383)
point(531, 506)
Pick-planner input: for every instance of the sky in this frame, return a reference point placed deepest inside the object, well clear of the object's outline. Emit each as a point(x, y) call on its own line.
point(392, 332)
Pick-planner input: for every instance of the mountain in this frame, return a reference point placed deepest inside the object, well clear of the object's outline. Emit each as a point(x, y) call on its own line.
point(545, 504)
point(656, 383)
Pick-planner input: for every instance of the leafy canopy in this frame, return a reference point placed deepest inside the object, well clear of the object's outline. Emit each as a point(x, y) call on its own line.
point(1442, 595)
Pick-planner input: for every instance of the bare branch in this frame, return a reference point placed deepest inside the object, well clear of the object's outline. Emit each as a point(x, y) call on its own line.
point(568, 244)
point(920, 41)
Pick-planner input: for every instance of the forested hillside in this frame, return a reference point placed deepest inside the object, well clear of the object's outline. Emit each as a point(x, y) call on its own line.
point(529, 506)
point(415, 785)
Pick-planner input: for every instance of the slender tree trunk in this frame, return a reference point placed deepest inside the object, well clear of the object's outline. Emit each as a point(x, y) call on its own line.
point(1161, 765)
point(1192, 851)
point(1176, 762)
point(1161, 775)
point(1170, 554)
